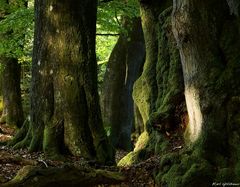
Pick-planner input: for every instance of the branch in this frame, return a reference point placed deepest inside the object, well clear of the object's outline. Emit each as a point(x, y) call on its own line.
point(107, 34)
point(117, 18)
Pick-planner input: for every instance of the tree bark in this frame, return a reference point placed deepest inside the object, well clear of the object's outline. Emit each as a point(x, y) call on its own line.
point(12, 104)
point(65, 111)
point(210, 61)
point(158, 93)
point(145, 89)
point(123, 68)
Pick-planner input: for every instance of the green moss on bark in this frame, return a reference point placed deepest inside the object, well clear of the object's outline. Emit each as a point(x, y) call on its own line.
point(65, 109)
point(30, 176)
point(182, 169)
point(130, 159)
point(158, 92)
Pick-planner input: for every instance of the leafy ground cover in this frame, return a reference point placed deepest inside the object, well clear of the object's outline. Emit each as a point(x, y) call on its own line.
point(140, 174)
point(11, 161)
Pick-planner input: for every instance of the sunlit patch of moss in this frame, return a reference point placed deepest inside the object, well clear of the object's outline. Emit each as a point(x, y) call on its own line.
point(141, 96)
point(142, 141)
point(130, 159)
point(22, 173)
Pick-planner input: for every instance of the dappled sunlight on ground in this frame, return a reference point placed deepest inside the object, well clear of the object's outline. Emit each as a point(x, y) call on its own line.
point(6, 133)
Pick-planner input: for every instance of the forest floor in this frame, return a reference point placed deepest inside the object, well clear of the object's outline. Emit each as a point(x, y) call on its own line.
point(11, 161)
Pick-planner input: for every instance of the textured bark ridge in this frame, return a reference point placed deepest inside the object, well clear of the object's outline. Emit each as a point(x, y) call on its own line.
point(210, 60)
point(158, 92)
point(65, 111)
point(210, 64)
point(123, 68)
point(70, 176)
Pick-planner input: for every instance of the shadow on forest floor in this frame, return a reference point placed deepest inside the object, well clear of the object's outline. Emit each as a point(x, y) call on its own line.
point(11, 161)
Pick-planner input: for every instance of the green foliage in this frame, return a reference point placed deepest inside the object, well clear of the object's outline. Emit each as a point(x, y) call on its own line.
point(104, 46)
point(17, 34)
point(16, 29)
point(109, 21)
point(130, 159)
point(110, 14)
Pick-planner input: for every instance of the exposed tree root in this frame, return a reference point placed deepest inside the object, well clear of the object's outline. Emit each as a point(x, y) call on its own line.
point(69, 176)
point(20, 135)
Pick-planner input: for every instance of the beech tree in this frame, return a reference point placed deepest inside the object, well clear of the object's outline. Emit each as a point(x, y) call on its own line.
point(158, 93)
point(188, 94)
point(123, 68)
point(11, 74)
point(12, 105)
point(210, 61)
point(65, 112)
point(194, 37)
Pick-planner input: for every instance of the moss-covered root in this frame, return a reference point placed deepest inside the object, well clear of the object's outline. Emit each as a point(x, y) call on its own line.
point(21, 134)
point(147, 145)
point(136, 155)
point(60, 177)
point(189, 169)
point(185, 171)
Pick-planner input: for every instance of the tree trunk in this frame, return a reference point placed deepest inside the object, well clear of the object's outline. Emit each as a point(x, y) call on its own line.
point(210, 60)
point(123, 68)
point(145, 88)
point(158, 93)
point(65, 111)
point(10, 79)
point(12, 104)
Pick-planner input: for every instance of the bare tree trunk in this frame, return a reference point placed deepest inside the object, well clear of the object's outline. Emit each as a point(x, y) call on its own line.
point(123, 68)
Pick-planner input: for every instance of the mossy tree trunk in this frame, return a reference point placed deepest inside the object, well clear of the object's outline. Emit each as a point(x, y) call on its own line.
point(210, 62)
point(207, 34)
point(123, 68)
point(158, 93)
point(145, 89)
point(65, 111)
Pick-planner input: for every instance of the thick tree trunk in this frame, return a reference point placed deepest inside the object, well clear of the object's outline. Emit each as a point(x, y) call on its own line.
point(158, 93)
point(12, 104)
point(210, 61)
point(123, 68)
point(65, 109)
point(145, 88)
